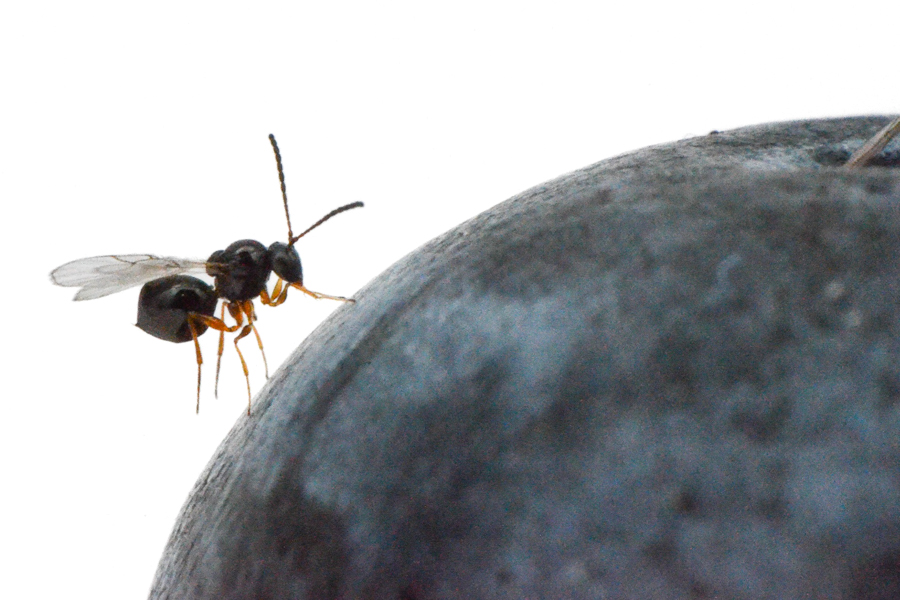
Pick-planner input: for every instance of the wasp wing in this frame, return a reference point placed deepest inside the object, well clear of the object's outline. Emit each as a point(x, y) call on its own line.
point(100, 276)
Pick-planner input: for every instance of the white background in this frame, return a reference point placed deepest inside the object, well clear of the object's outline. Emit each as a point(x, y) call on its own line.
point(141, 127)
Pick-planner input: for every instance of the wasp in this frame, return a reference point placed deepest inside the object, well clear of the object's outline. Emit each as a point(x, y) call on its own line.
point(177, 307)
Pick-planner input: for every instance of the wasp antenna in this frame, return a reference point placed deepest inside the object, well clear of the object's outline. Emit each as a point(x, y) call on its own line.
point(287, 213)
point(336, 211)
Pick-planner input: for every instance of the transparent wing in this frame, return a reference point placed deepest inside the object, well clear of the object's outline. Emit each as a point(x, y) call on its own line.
point(100, 276)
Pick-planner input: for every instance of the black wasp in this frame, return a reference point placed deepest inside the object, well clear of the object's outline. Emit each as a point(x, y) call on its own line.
point(177, 307)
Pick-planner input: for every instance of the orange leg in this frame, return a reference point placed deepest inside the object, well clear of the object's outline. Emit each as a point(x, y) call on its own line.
point(279, 295)
point(244, 333)
point(219, 325)
point(277, 292)
point(238, 317)
point(247, 307)
point(221, 349)
point(319, 295)
point(191, 324)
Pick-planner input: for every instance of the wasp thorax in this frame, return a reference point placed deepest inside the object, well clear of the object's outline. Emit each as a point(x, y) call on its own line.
point(286, 262)
point(241, 270)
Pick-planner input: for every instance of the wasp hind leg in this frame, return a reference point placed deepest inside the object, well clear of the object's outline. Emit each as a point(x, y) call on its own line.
point(192, 324)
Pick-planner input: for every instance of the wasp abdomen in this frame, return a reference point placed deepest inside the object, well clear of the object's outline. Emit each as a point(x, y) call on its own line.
point(165, 303)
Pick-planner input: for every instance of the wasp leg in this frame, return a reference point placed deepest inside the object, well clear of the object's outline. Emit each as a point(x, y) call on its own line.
point(248, 309)
point(319, 295)
point(193, 327)
point(221, 349)
point(222, 327)
point(278, 296)
point(244, 333)
point(238, 323)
